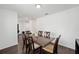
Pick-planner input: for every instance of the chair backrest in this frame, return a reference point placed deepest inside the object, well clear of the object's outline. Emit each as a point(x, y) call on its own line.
point(23, 35)
point(28, 33)
point(47, 34)
point(40, 33)
point(30, 45)
point(76, 47)
point(56, 45)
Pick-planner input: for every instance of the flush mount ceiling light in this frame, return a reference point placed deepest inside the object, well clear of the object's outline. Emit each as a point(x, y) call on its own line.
point(38, 6)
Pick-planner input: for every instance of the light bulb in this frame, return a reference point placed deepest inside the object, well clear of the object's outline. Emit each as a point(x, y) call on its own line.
point(37, 6)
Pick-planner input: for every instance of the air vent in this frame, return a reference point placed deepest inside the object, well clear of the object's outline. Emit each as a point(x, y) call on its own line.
point(46, 13)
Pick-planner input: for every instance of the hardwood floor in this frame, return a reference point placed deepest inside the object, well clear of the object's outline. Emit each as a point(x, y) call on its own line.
point(17, 49)
point(14, 50)
point(65, 50)
point(10, 50)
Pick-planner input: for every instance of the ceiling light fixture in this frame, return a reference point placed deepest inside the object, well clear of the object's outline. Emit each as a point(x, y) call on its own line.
point(38, 6)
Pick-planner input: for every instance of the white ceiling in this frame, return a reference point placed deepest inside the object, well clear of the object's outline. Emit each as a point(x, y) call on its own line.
point(30, 10)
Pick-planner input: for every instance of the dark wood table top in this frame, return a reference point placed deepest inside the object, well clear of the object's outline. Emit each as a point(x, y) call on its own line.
point(42, 41)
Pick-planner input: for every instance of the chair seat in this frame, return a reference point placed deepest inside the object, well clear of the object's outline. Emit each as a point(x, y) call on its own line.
point(36, 46)
point(49, 48)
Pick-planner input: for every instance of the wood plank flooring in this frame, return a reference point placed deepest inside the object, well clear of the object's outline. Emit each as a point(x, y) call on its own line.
point(17, 49)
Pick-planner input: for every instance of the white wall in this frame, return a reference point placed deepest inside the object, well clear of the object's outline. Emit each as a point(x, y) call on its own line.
point(26, 23)
point(8, 28)
point(33, 25)
point(65, 23)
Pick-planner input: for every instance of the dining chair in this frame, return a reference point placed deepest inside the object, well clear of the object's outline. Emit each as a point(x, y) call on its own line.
point(47, 34)
point(28, 33)
point(76, 46)
point(52, 48)
point(40, 33)
point(31, 47)
point(24, 39)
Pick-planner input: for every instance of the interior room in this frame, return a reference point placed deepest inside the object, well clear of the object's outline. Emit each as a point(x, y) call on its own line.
point(39, 28)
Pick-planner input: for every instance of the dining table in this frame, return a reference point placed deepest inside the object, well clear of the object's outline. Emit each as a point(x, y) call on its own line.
point(42, 41)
